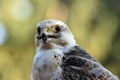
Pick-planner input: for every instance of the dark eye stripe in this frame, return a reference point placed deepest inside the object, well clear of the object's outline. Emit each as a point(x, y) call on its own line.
point(38, 30)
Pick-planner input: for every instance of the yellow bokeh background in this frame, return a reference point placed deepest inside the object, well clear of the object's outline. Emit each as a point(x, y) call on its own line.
point(95, 25)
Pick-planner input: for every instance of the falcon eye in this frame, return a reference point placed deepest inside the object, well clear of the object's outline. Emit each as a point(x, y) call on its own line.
point(47, 29)
point(56, 28)
point(38, 30)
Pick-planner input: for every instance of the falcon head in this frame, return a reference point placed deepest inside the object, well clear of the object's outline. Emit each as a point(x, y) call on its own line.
point(53, 34)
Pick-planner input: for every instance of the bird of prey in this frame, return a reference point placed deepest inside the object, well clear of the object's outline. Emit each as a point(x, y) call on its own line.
point(59, 57)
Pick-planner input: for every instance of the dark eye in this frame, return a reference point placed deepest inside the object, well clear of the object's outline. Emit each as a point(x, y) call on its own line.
point(38, 30)
point(56, 28)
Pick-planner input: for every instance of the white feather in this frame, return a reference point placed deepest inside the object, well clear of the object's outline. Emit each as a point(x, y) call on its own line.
point(45, 65)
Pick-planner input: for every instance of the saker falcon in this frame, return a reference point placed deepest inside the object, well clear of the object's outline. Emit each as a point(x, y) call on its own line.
point(58, 57)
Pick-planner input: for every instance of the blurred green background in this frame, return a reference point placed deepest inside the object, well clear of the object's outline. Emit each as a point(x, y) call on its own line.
point(94, 23)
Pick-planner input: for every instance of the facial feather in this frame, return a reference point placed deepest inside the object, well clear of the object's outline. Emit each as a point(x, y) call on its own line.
point(54, 38)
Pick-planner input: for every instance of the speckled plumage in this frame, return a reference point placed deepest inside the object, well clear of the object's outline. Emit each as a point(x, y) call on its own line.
point(58, 57)
point(79, 65)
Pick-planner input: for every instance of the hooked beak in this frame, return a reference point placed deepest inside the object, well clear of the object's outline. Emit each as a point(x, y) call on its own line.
point(44, 37)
